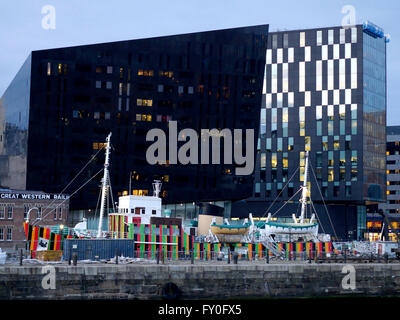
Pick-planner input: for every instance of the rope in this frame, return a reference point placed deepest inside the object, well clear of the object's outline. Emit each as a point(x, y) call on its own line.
point(266, 212)
point(286, 202)
point(319, 220)
point(327, 212)
point(71, 195)
point(93, 157)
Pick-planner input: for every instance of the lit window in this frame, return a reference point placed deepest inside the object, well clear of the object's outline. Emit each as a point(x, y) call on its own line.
point(109, 69)
point(274, 160)
point(109, 85)
point(330, 174)
point(96, 115)
point(307, 143)
point(48, 68)
point(98, 84)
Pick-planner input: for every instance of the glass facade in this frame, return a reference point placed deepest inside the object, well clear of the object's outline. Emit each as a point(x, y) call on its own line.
point(320, 78)
point(72, 98)
point(374, 117)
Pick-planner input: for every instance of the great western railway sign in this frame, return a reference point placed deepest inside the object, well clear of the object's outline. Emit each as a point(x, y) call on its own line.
point(33, 196)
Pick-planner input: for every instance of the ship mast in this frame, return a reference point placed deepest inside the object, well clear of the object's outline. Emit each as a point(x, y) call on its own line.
point(105, 186)
point(303, 199)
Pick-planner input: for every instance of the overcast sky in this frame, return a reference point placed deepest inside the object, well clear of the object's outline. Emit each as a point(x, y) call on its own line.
point(92, 21)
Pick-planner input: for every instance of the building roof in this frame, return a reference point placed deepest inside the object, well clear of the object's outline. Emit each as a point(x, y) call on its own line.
point(392, 130)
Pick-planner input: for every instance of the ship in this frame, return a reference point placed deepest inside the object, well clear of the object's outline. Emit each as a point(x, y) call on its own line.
point(141, 218)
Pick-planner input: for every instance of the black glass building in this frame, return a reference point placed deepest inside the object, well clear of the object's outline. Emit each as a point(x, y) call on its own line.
point(58, 110)
point(325, 92)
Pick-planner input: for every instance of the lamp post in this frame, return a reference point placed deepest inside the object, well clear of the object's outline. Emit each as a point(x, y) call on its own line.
point(29, 211)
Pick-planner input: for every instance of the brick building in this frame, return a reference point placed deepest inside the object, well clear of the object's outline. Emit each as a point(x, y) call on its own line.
point(47, 210)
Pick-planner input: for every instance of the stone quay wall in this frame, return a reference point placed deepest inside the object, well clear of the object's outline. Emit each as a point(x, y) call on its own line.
point(229, 281)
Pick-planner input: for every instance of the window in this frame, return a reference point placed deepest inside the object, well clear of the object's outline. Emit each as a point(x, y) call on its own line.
point(2, 210)
point(353, 35)
point(285, 40)
point(98, 84)
point(330, 174)
point(342, 36)
point(39, 213)
point(353, 126)
point(26, 209)
point(9, 234)
point(48, 68)
point(307, 53)
point(109, 69)
point(55, 214)
point(291, 55)
point(190, 90)
point(319, 38)
point(307, 143)
point(274, 160)
point(60, 213)
point(153, 212)
point(290, 144)
point(336, 143)
point(330, 158)
point(144, 102)
point(353, 174)
point(324, 143)
point(302, 39)
point(279, 55)
point(330, 36)
point(274, 41)
point(1, 234)
point(160, 88)
point(109, 85)
point(9, 212)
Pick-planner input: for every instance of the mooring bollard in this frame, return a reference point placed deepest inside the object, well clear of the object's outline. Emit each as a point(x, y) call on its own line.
point(229, 256)
point(75, 259)
point(191, 257)
point(267, 257)
point(235, 258)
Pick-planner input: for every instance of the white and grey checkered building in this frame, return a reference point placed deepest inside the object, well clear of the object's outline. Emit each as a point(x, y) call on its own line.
point(324, 91)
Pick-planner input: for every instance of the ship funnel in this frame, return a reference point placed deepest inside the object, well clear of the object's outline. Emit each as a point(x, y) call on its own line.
point(156, 188)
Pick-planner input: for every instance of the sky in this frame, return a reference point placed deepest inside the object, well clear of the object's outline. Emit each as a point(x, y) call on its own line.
point(92, 21)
